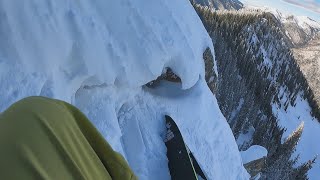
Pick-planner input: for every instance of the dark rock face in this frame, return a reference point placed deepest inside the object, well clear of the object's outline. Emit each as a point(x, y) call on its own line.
point(167, 75)
point(256, 166)
point(210, 76)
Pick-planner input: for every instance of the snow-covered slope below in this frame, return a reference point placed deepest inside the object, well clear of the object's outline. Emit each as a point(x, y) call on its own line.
point(308, 146)
point(98, 55)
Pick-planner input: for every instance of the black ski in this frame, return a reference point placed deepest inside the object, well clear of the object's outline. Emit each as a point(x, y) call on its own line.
point(182, 164)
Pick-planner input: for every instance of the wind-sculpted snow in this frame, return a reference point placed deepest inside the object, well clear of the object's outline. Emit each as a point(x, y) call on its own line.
point(136, 127)
point(126, 43)
point(98, 55)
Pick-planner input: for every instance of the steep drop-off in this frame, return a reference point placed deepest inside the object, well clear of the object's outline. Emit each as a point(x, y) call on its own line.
point(262, 92)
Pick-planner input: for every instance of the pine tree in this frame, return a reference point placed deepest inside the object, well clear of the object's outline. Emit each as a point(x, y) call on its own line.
point(302, 170)
point(280, 164)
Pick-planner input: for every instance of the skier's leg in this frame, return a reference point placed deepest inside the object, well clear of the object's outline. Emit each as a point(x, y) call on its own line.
point(41, 138)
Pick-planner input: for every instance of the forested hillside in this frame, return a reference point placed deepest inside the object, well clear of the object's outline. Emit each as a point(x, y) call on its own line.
point(258, 77)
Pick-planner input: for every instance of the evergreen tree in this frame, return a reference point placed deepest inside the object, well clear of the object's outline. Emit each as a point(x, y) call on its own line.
point(259, 72)
point(280, 165)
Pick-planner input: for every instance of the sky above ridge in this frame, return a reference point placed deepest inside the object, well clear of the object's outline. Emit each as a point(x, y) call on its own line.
point(310, 8)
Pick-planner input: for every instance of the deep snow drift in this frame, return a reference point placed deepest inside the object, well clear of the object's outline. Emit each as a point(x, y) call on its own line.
point(136, 126)
point(98, 55)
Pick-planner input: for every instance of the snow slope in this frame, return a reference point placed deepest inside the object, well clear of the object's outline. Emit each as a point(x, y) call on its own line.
point(308, 146)
point(139, 128)
point(98, 55)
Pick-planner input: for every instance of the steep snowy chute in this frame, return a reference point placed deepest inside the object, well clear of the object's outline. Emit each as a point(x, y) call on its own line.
point(99, 54)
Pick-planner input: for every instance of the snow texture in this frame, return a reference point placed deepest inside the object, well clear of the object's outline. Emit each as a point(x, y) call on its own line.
point(98, 55)
point(308, 146)
point(253, 153)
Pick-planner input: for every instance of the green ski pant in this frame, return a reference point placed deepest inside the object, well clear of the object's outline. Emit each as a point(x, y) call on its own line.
point(42, 138)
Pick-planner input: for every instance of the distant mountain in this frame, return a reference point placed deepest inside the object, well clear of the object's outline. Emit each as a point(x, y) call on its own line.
point(221, 4)
point(299, 29)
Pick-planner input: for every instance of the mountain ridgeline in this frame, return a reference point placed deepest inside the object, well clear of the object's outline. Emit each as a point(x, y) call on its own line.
point(258, 73)
point(220, 4)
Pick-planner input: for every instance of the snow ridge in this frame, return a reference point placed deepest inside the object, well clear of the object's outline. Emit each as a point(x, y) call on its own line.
point(80, 39)
point(98, 55)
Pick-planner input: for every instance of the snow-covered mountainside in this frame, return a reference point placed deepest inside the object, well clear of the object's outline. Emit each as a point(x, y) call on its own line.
point(303, 35)
point(98, 55)
point(221, 4)
point(299, 29)
point(262, 92)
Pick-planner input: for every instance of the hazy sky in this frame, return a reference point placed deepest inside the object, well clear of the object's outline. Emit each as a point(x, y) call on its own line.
point(310, 8)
